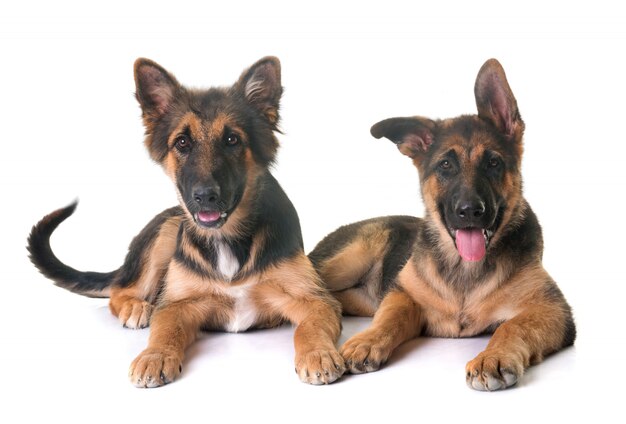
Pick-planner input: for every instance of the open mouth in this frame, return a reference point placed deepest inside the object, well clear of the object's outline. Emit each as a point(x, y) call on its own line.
point(210, 219)
point(472, 243)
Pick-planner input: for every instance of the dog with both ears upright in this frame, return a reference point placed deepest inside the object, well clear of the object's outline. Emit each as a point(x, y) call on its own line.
point(472, 265)
point(230, 256)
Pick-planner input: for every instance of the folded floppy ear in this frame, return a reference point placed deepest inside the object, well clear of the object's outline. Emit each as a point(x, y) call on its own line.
point(495, 100)
point(155, 87)
point(260, 84)
point(413, 135)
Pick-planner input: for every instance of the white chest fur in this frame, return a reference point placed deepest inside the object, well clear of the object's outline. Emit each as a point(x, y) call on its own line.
point(244, 312)
point(227, 263)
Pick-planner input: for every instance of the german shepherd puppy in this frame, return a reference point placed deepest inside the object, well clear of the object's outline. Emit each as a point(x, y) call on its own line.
point(231, 256)
point(472, 265)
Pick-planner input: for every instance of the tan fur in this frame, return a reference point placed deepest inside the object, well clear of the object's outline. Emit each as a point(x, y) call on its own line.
point(173, 329)
point(430, 189)
point(133, 305)
point(340, 270)
point(230, 256)
point(158, 259)
point(203, 133)
point(439, 292)
point(532, 324)
point(357, 303)
point(397, 319)
point(194, 123)
point(289, 291)
point(355, 259)
point(359, 260)
point(438, 302)
point(129, 307)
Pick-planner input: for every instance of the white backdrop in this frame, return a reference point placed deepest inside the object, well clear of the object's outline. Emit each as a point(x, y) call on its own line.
point(70, 128)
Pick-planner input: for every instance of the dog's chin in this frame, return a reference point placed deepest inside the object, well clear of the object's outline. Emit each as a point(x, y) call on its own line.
point(210, 219)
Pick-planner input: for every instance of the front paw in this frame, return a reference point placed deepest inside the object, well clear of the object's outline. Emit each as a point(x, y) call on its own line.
point(154, 368)
point(493, 369)
point(364, 353)
point(319, 366)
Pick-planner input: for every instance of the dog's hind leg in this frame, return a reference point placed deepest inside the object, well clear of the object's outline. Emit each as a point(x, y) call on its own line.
point(130, 308)
point(356, 302)
point(358, 262)
point(133, 298)
point(352, 272)
point(354, 277)
point(346, 268)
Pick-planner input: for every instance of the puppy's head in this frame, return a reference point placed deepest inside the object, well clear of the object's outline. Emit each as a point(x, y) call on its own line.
point(469, 166)
point(212, 143)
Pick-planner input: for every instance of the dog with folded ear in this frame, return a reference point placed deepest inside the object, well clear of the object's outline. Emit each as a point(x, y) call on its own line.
point(230, 257)
point(472, 265)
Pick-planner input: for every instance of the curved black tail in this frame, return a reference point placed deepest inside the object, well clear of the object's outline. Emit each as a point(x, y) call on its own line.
point(92, 284)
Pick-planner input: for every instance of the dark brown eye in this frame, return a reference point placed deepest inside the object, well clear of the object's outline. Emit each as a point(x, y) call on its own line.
point(182, 143)
point(232, 139)
point(445, 164)
point(494, 163)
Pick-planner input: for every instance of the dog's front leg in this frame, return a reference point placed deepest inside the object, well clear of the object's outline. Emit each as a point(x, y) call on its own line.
point(174, 327)
point(294, 291)
point(523, 340)
point(397, 320)
point(318, 328)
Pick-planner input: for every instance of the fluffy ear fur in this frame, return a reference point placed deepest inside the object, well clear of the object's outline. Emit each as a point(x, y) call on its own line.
point(155, 87)
point(261, 86)
point(495, 100)
point(413, 135)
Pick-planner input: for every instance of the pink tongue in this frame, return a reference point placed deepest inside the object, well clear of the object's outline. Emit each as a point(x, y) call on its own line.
point(471, 244)
point(208, 216)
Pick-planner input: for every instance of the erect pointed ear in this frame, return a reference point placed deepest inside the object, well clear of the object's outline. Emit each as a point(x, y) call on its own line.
point(413, 136)
point(495, 100)
point(260, 84)
point(155, 87)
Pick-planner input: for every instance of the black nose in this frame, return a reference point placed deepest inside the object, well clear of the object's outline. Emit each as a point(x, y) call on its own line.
point(206, 196)
point(470, 209)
